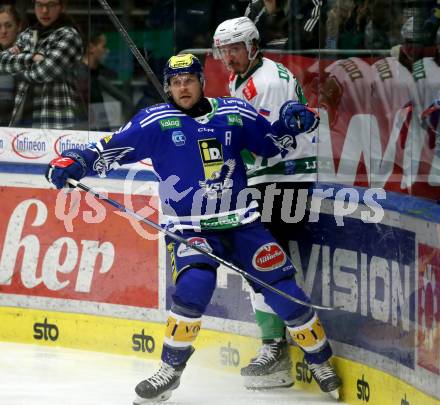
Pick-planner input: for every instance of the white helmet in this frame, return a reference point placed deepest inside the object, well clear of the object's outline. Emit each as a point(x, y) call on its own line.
point(240, 29)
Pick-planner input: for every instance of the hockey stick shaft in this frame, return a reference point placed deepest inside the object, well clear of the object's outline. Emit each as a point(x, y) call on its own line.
point(179, 239)
point(150, 74)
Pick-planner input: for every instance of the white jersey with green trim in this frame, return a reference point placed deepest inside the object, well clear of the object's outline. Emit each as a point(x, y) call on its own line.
point(426, 73)
point(267, 87)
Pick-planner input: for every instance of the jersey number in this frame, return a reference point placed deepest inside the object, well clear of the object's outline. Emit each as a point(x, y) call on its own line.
point(282, 72)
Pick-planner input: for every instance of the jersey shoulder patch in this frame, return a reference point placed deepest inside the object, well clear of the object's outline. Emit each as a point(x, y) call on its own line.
point(157, 107)
point(235, 105)
point(165, 115)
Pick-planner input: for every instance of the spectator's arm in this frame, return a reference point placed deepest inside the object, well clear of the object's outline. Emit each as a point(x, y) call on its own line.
point(14, 64)
point(63, 55)
point(332, 27)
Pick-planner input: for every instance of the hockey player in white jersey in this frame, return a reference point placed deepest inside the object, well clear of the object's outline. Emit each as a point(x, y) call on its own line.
point(426, 73)
point(392, 86)
point(267, 85)
point(345, 94)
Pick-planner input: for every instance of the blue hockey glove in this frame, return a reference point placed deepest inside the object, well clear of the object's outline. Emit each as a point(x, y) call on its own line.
point(62, 168)
point(297, 118)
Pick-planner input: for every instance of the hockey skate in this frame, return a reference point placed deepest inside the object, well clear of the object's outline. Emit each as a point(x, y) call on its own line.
point(159, 386)
point(270, 369)
point(325, 375)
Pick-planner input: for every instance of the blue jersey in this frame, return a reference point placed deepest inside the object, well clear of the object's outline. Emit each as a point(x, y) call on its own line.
point(198, 160)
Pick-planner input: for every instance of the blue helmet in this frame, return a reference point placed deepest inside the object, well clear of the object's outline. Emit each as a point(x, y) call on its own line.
point(180, 64)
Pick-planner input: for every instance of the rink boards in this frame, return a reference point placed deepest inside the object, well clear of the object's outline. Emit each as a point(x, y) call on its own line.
point(75, 273)
point(362, 384)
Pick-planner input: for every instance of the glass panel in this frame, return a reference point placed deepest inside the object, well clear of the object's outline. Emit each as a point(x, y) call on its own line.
point(370, 66)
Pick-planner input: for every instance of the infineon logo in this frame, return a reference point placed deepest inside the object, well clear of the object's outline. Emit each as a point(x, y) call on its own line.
point(234, 119)
point(68, 141)
point(169, 123)
point(28, 146)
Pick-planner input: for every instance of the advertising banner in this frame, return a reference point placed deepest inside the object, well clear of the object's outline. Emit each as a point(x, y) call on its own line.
point(429, 314)
point(40, 146)
point(357, 269)
point(71, 246)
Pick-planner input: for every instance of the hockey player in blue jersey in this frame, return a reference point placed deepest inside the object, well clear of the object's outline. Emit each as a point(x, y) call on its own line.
point(199, 140)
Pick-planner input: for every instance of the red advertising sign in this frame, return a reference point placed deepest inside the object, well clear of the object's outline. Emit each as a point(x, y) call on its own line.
point(429, 314)
point(75, 247)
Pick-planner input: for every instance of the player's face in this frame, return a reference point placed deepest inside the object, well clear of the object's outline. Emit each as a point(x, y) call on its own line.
point(9, 29)
point(186, 90)
point(48, 11)
point(235, 57)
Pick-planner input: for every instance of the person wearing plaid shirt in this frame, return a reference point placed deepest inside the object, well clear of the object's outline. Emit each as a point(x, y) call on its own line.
point(44, 60)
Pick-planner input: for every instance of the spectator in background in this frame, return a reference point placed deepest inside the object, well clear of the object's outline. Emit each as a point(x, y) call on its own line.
point(271, 19)
point(45, 61)
point(197, 19)
point(307, 27)
point(414, 41)
point(94, 81)
point(384, 22)
point(426, 72)
point(432, 24)
point(288, 24)
point(346, 23)
point(10, 26)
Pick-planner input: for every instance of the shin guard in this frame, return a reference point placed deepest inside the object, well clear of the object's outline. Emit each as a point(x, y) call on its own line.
point(310, 336)
point(181, 331)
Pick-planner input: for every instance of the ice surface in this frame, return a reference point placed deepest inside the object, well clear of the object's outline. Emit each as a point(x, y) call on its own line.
point(41, 375)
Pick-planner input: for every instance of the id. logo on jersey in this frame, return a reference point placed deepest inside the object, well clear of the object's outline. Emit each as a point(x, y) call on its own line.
point(269, 257)
point(250, 91)
point(217, 172)
point(212, 156)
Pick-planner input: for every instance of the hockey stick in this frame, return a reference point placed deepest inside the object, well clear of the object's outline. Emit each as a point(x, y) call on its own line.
point(179, 239)
point(150, 74)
